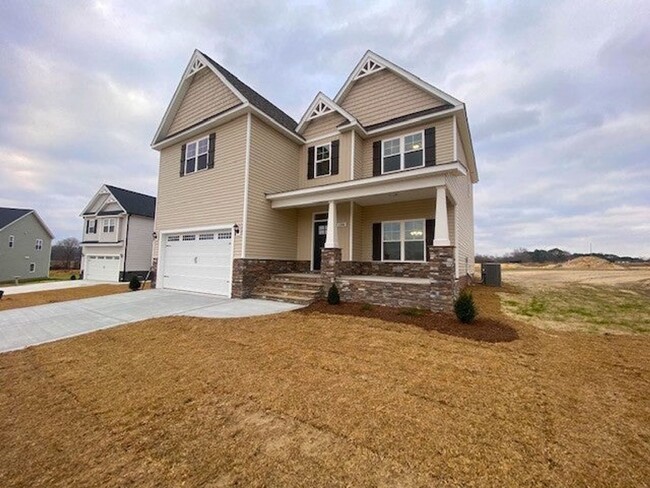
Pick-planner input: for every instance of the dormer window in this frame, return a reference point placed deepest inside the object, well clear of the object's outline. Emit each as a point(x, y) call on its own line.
point(323, 160)
point(403, 153)
point(196, 155)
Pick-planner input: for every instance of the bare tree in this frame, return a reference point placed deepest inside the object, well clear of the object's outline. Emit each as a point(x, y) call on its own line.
point(67, 250)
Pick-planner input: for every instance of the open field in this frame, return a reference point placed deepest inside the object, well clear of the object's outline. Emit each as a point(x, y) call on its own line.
point(614, 301)
point(312, 399)
point(21, 300)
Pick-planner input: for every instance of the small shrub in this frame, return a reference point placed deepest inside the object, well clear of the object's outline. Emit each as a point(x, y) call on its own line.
point(73, 277)
point(333, 297)
point(464, 307)
point(412, 312)
point(366, 307)
point(134, 284)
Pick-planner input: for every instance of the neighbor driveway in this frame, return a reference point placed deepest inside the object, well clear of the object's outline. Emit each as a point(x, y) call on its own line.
point(29, 326)
point(52, 285)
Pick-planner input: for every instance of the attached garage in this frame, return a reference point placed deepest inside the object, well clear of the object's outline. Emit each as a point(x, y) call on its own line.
point(102, 268)
point(198, 261)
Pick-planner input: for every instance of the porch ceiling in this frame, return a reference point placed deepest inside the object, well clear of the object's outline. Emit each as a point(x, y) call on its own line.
point(408, 185)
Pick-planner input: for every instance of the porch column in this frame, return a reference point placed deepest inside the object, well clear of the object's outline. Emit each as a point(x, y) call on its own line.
point(441, 231)
point(332, 238)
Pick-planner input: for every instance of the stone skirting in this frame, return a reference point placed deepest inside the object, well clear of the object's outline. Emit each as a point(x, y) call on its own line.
point(391, 293)
point(442, 277)
point(248, 273)
point(330, 266)
point(377, 268)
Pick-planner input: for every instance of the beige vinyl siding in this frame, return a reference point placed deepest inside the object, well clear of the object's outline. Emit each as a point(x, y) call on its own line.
point(271, 233)
point(209, 197)
point(357, 232)
point(462, 156)
point(306, 230)
point(138, 251)
point(344, 162)
point(323, 125)
point(206, 96)
point(461, 190)
point(359, 150)
point(444, 143)
point(383, 96)
point(415, 209)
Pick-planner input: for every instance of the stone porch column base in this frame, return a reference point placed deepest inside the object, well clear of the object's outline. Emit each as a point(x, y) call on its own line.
point(442, 277)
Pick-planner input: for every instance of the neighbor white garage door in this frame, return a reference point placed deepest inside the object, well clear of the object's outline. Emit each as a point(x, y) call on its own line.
point(198, 261)
point(102, 268)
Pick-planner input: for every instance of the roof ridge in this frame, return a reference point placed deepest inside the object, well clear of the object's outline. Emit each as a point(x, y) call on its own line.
point(127, 190)
point(16, 208)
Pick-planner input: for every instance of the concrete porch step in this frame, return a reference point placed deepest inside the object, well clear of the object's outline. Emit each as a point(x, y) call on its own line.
point(292, 284)
point(297, 277)
point(273, 289)
point(298, 300)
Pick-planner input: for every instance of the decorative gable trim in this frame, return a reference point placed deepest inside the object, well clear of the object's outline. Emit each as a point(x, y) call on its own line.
point(322, 105)
point(197, 63)
point(109, 198)
point(372, 63)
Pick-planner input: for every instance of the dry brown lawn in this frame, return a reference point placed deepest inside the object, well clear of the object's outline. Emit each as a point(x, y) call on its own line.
point(310, 399)
point(21, 300)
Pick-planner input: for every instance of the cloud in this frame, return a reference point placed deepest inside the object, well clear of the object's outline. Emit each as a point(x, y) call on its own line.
point(556, 94)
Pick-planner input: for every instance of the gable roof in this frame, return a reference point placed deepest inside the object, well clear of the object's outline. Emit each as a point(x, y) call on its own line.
point(134, 203)
point(323, 105)
point(372, 62)
point(10, 215)
point(247, 96)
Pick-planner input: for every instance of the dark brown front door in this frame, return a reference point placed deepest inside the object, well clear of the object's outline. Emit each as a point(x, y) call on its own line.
point(320, 235)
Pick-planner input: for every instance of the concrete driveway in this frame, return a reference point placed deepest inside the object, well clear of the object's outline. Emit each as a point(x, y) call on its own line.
point(51, 285)
point(23, 327)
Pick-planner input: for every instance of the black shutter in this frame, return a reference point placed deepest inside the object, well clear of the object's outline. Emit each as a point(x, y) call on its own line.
point(182, 172)
point(211, 151)
point(430, 146)
point(335, 158)
point(430, 226)
point(376, 158)
point(376, 241)
point(310, 163)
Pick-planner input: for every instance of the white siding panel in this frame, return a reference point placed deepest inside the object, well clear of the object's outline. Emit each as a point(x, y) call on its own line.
point(138, 251)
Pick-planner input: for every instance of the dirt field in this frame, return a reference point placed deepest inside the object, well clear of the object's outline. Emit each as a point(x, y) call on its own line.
point(613, 301)
point(21, 300)
point(310, 399)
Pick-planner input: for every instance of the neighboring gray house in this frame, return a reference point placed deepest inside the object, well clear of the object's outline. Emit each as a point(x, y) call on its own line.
point(25, 245)
point(117, 235)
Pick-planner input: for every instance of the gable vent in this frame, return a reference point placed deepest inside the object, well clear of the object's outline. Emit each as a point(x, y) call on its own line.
point(196, 66)
point(368, 68)
point(320, 109)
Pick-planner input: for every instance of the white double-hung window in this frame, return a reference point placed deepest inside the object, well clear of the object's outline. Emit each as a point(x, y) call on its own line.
point(39, 244)
point(196, 155)
point(403, 240)
point(403, 153)
point(109, 226)
point(323, 160)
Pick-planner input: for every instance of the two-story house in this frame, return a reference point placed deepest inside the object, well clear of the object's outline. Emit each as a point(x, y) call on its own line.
point(117, 235)
point(25, 245)
point(371, 189)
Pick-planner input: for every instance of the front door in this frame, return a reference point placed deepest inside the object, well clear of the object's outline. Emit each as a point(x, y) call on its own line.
point(320, 236)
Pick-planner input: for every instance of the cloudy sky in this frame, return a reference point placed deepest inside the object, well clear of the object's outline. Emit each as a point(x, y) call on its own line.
point(558, 97)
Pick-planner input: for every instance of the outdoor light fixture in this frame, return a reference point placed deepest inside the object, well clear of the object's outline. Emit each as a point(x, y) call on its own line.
point(236, 229)
point(154, 235)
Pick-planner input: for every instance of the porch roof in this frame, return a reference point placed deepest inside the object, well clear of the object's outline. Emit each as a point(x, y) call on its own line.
point(406, 185)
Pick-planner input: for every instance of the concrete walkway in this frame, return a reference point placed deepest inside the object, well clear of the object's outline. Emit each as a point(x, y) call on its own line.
point(23, 327)
point(52, 285)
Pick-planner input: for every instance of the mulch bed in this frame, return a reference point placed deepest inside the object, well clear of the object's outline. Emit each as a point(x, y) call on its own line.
point(482, 329)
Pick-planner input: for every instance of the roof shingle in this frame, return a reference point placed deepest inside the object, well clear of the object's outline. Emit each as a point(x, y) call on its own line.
point(133, 202)
point(9, 215)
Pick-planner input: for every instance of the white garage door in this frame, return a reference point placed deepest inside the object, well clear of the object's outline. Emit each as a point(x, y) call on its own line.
point(198, 261)
point(102, 268)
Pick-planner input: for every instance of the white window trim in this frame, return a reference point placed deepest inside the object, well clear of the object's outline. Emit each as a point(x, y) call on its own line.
point(196, 155)
point(403, 240)
point(329, 170)
point(107, 223)
point(39, 245)
point(12, 242)
point(32, 267)
point(402, 153)
point(93, 229)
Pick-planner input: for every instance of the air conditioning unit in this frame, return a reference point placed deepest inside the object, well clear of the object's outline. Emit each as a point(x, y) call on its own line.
point(491, 274)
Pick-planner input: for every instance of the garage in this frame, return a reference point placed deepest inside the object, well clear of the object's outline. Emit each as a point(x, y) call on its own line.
point(198, 261)
point(102, 268)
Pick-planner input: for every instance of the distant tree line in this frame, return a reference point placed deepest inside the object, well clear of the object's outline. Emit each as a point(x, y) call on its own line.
point(555, 255)
point(66, 254)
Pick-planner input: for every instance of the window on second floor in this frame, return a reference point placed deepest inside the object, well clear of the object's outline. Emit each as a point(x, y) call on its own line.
point(39, 244)
point(91, 226)
point(109, 226)
point(323, 160)
point(12, 241)
point(196, 155)
point(403, 153)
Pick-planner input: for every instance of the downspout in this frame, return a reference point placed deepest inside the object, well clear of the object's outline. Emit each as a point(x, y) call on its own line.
point(126, 242)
